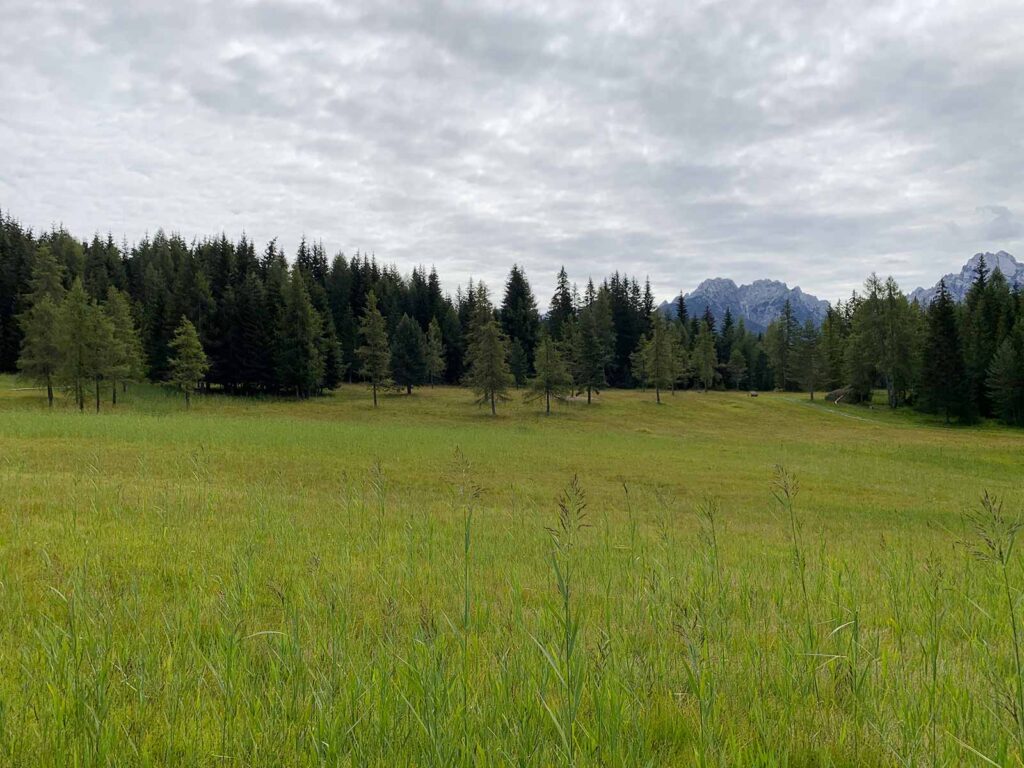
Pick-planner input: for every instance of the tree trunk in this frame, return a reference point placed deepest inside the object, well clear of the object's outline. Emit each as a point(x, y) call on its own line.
point(188, 398)
point(657, 394)
point(494, 410)
point(547, 398)
point(812, 395)
point(408, 389)
point(375, 394)
point(97, 395)
point(49, 390)
point(80, 395)
point(113, 393)
point(588, 395)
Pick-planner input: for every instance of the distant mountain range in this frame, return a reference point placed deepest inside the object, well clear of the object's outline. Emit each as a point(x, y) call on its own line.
point(959, 283)
point(758, 303)
point(761, 301)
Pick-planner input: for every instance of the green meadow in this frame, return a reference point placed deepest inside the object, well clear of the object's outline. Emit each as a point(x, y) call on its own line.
point(716, 581)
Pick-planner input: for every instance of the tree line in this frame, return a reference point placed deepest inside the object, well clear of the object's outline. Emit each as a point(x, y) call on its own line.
point(218, 315)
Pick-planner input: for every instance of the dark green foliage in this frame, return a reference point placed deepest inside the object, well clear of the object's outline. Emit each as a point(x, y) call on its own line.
point(808, 365)
point(1005, 377)
point(408, 357)
point(943, 384)
point(489, 374)
point(299, 364)
point(705, 359)
point(561, 309)
point(434, 353)
point(520, 321)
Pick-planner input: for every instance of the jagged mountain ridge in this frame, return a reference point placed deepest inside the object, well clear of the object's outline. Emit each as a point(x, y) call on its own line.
point(758, 303)
point(959, 283)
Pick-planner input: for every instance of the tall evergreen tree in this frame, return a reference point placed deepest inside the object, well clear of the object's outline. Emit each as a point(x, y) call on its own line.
point(593, 344)
point(1005, 378)
point(299, 364)
point(83, 337)
point(375, 352)
point(188, 363)
point(561, 308)
point(408, 361)
point(520, 320)
point(40, 352)
point(807, 364)
point(943, 383)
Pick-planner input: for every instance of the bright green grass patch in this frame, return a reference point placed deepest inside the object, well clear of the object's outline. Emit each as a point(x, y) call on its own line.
point(280, 583)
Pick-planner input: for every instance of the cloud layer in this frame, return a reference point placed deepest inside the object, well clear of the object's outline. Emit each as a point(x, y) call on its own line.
point(810, 141)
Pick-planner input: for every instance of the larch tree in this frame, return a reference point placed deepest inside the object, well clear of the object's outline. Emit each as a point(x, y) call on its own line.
point(489, 374)
point(434, 352)
point(188, 362)
point(126, 357)
point(551, 377)
point(408, 361)
point(705, 359)
point(808, 365)
point(374, 353)
point(659, 355)
point(737, 366)
point(40, 351)
point(593, 343)
point(83, 338)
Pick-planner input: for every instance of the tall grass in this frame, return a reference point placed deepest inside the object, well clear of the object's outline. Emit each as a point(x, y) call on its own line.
point(199, 606)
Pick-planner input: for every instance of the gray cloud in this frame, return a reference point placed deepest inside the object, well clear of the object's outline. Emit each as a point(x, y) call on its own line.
point(808, 141)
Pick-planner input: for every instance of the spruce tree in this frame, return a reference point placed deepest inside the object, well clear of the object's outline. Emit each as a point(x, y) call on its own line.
point(518, 362)
point(561, 308)
point(1005, 377)
point(374, 353)
point(943, 384)
point(299, 364)
point(520, 320)
point(408, 361)
point(489, 375)
point(188, 362)
point(434, 353)
point(552, 377)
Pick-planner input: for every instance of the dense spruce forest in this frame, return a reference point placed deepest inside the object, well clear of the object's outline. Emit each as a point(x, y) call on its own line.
point(87, 317)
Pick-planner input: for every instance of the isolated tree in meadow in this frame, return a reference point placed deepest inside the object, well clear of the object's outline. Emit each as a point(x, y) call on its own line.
point(40, 352)
point(943, 386)
point(489, 375)
point(808, 366)
point(299, 363)
point(83, 337)
point(704, 358)
point(125, 361)
point(188, 362)
point(551, 378)
point(434, 353)
point(374, 353)
point(659, 355)
point(408, 361)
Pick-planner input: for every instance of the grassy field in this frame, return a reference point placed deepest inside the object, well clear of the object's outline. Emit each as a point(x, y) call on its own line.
point(269, 583)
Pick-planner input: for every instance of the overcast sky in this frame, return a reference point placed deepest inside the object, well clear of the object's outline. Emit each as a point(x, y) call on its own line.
point(811, 142)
